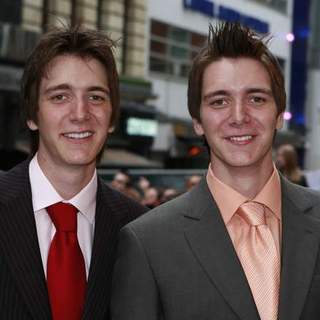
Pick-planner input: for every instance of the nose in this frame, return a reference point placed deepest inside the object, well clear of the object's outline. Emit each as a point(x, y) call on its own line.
point(239, 113)
point(80, 110)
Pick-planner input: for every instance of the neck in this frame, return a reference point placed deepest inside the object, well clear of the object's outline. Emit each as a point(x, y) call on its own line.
point(68, 181)
point(248, 181)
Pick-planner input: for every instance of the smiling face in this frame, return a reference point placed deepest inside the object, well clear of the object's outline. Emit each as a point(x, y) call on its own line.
point(74, 113)
point(238, 115)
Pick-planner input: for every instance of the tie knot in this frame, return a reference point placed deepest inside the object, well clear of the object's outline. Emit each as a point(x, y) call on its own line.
point(253, 213)
point(63, 216)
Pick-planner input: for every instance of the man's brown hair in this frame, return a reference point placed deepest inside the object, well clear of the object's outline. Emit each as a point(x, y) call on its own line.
point(75, 41)
point(231, 40)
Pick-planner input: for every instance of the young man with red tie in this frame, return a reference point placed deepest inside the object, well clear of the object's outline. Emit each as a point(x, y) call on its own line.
point(244, 243)
point(58, 221)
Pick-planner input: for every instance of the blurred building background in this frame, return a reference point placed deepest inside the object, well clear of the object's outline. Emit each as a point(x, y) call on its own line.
point(157, 41)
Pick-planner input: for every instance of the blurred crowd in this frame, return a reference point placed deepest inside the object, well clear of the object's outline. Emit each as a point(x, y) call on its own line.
point(285, 157)
point(144, 192)
point(287, 163)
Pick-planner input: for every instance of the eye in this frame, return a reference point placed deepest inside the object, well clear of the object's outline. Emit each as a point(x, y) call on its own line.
point(257, 100)
point(97, 98)
point(218, 102)
point(58, 97)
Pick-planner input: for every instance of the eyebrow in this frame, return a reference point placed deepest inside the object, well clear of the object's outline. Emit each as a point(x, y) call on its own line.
point(98, 88)
point(215, 93)
point(65, 86)
point(227, 93)
point(260, 90)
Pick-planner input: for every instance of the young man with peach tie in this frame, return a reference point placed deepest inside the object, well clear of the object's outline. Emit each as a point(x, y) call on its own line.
point(59, 221)
point(244, 243)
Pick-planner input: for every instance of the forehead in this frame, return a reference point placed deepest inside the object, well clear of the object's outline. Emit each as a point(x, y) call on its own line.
point(68, 67)
point(235, 73)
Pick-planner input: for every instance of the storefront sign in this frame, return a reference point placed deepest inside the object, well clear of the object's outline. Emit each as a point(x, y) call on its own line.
point(220, 12)
point(142, 127)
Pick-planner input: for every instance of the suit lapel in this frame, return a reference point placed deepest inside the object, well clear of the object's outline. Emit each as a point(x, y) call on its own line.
point(104, 243)
point(19, 243)
point(212, 246)
point(300, 245)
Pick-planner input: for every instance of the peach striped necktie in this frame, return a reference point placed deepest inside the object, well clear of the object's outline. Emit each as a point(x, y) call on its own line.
point(260, 261)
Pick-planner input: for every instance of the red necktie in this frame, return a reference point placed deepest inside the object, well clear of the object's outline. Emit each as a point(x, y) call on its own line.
point(66, 274)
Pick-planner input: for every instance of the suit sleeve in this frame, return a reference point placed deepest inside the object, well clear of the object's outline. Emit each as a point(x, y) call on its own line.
point(134, 291)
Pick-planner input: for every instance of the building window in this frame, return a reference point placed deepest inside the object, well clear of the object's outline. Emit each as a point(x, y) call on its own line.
point(172, 49)
point(280, 5)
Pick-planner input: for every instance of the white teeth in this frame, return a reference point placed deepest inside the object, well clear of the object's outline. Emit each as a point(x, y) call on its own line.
point(242, 138)
point(78, 135)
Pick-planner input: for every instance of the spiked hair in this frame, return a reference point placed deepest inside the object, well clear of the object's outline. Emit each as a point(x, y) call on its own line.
point(232, 40)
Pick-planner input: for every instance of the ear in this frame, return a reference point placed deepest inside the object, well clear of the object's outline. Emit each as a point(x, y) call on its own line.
point(197, 126)
point(279, 121)
point(32, 125)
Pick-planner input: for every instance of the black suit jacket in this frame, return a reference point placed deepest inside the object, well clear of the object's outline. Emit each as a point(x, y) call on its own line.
point(178, 262)
point(23, 290)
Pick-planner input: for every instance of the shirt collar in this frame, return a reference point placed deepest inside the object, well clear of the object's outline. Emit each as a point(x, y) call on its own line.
point(270, 195)
point(229, 200)
point(44, 194)
point(220, 191)
point(85, 200)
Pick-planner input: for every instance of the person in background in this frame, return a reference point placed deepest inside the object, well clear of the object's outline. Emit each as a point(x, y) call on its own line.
point(287, 164)
point(59, 221)
point(122, 182)
point(151, 197)
point(168, 194)
point(192, 181)
point(244, 243)
point(143, 184)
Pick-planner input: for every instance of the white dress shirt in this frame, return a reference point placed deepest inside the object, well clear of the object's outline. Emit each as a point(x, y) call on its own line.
point(44, 195)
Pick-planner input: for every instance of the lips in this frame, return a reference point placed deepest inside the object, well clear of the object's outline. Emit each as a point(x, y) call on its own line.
point(78, 135)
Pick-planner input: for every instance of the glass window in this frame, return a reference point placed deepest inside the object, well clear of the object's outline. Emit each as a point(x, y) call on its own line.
point(160, 65)
point(172, 49)
point(158, 47)
point(159, 29)
point(178, 52)
point(184, 70)
point(179, 35)
point(280, 5)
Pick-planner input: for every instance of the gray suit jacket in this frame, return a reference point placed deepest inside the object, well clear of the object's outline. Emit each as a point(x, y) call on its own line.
point(177, 262)
point(23, 290)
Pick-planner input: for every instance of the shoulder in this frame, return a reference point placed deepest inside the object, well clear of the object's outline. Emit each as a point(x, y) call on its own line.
point(299, 193)
point(125, 208)
point(162, 231)
point(15, 182)
point(170, 216)
point(305, 199)
point(303, 181)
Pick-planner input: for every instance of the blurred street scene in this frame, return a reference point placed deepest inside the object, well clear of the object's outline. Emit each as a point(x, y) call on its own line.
point(154, 154)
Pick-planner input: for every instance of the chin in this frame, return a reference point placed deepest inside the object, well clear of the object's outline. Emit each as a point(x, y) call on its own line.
point(76, 160)
point(241, 162)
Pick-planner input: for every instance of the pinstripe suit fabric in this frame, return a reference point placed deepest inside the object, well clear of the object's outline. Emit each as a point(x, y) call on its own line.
point(23, 290)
